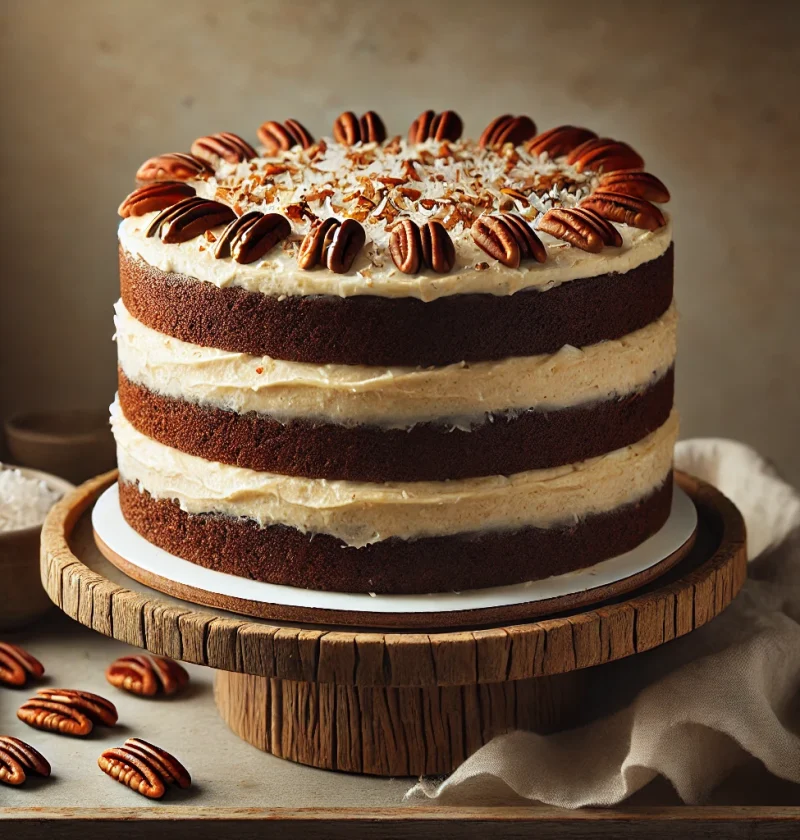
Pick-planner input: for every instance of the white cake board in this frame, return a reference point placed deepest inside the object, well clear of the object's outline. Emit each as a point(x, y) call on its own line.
point(163, 571)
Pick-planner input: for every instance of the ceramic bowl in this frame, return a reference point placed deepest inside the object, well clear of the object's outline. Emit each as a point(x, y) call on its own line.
point(22, 598)
point(75, 445)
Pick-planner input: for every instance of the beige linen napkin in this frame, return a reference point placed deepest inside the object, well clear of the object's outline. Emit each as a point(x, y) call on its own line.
point(691, 710)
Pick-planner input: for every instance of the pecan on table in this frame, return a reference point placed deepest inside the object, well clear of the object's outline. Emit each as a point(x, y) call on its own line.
point(251, 236)
point(225, 145)
point(604, 155)
point(189, 218)
point(348, 129)
point(28, 760)
point(147, 676)
point(332, 243)
point(508, 238)
point(174, 166)
point(580, 227)
point(560, 140)
point(627, 209)
point(67, 711)
point(638, 184)
point(276, 136)
point(16, 665)
point(507, 129)
point(429, 125)
point(155, 196)
point(144, 768)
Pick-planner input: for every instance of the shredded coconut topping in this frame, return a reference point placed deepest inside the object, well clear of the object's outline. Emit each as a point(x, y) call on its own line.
point(24, 501)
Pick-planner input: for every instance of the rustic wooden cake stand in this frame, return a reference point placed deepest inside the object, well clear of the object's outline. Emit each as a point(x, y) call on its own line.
point(399, 703)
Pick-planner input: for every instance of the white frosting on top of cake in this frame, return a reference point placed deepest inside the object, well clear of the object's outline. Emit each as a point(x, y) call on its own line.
point(374, 184)
point(361, 513)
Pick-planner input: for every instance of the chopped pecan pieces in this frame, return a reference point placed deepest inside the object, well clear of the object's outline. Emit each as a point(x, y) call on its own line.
point(332, 243)
point(604, 155)
point(174, 166)
point(581, 228)
point(17, 757)
point(628, 209)
point(148, 675)
point(638, 184)
point(225, 145)
point(507, 129)
point(276, 136)
point(189, 218)
point(560, 140)
point(432, 126)
point(67, 711)
point(349, 129)
point(508, 238)
point(155, 196)
point(144, 768)
point(16, 665)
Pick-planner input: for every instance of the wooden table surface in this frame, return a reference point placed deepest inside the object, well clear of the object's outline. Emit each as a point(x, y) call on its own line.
point(237, 788)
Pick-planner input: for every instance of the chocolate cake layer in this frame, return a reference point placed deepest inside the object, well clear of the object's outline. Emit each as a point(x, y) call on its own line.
point(371, 330)
point(282, 555)
point(426, 452)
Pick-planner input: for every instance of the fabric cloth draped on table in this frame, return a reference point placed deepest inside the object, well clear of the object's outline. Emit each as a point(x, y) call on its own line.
point(693, 710)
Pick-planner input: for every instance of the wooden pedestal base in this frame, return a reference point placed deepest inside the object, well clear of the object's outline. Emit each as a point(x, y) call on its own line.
point(390, 731)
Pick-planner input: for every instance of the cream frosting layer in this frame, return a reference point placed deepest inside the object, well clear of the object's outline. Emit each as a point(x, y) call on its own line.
point(395, 397)
point(360, 513)
point(374, 273)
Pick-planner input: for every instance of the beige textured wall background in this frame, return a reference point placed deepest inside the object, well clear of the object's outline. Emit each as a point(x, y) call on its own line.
point(708, 91)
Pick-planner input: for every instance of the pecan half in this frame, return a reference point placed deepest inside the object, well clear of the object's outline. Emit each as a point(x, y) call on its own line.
point(54, 717)
point(251, 236)
point(508, 238)
point(174, 166)
point(147, 675)
point(16, 664)
point(507, 129)
point(349, 129)
point(405, 246)
point(225, 145)
point(581, 228)
point(155, 196)
point(628, 209)
point(604, 155)
point(639, 184)
point(144, 768)
point(438, 251)
point(96, 708)
point(11, 771)
point(189, 218)
point(332, 243)
point(429, 125)
point(276, 136)
point(31, 760)
point(559, 140)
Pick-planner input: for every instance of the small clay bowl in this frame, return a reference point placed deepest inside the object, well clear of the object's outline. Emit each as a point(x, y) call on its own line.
point(75, 445)
point(22, 599)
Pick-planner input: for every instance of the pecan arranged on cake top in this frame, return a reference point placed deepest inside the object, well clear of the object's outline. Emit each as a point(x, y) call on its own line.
point(359, 203)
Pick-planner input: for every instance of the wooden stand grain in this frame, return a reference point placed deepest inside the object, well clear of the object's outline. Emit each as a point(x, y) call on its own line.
point(400, 703)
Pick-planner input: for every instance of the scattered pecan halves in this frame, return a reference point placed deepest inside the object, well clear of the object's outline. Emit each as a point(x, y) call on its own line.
point(16, 665)
point(155, 196)
point(581, 228)
point(559, 140)
point(639, 184)
point(628, 209)
point(429, 125)
point(29, 757)
point(188, 219)
point(54, 717)
point(11, 771)
point(604, 155)
point(171, 769)
point(348, 129)
point(173, 166)
point(276, 136)
point(143, 767)
point(507, 129)
point(508, 238)
point(225, 145)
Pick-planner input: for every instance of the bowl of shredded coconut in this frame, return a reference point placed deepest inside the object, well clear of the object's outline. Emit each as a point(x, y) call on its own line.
point(25, 498)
